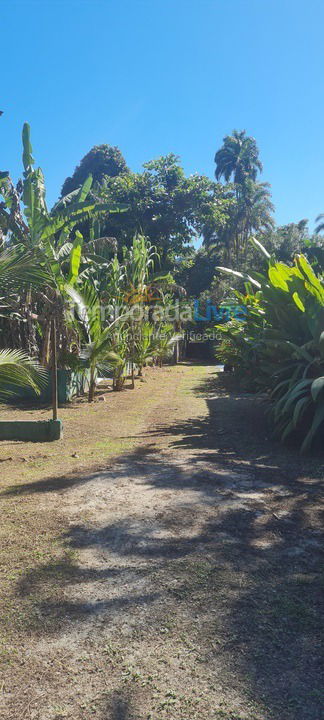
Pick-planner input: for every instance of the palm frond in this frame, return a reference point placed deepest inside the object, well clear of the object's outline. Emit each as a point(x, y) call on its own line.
point(20, 266)
point(17, 371)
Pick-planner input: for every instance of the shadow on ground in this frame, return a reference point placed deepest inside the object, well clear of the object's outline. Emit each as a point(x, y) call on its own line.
point(246, 559)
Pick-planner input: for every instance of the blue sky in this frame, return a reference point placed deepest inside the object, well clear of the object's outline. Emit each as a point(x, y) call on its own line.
point(159, 76)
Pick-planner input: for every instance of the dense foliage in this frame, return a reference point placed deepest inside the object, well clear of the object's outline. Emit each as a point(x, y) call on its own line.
point(87, 285)
point(117, 247)
point(162, 203)
point(100, 161)
point(279, 346)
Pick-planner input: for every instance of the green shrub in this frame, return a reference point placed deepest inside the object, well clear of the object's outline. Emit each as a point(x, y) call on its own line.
point(280, 344)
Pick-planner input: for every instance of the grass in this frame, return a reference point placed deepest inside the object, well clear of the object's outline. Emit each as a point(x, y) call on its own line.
point(31, 532)
point(195, 619)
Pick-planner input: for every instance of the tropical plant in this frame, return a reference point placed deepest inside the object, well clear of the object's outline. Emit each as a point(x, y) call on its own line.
point(97, 352)
point(163, 204)
point(18, 371)
point(164, 341)
point(286, 240)
point(281, 342)
point(115, 337)
point(252, 213)
point(320, 223)
point(140, 287)
point(238, 158)
point(53, 237)
point(143, 346)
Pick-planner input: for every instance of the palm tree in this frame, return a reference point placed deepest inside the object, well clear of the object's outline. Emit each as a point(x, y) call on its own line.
point(143, 346)
point(251, 213)
point(98, 350)
point(19, 267)
point(320, 220)
point(256, 208)
point(238, 158)
point(164, 342)
point(18, 371)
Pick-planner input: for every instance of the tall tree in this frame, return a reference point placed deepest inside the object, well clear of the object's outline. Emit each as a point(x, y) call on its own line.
point(166, 206)
point(100, 161)
point(287, 240)
point(238, 158)
point(255, 209)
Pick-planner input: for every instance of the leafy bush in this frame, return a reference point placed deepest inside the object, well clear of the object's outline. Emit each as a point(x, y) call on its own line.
point(281, 343)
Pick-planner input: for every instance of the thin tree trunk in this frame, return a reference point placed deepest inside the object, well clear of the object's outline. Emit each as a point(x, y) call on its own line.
point(45, 354)
point(54, 370)
point(31, 334)
point(176, 352)
point(92, 385)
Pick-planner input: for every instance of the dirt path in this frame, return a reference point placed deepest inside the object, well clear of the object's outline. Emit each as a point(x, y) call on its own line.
point(191, 583)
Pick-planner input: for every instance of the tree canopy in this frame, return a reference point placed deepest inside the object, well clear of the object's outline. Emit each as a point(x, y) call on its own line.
point(161, 202)
point(100, 161)
point(238, 158)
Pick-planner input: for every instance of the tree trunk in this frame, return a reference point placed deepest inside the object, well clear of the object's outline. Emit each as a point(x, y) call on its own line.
point(118, 381)
point(45, 354)
point(54, 370)
point(32, 348)
point(176, 352)
point(92, 385)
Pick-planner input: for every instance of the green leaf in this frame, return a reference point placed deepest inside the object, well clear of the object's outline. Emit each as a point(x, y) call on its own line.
point(280, 386)
point(28, 160)
point(299, 409)
point(317, 387)
point(17, 371)
point(317, 422)
point(288, 430)
point(276, 278)
point(321, 343)
point(296, 390)
point(300, 351)
point(259, 246)
point(85, 189)
point(290, 396)
point(298, 301)
point(71, 215)
point(18, 267)
point(313, 282)
point(75, 258)
point(229, 271)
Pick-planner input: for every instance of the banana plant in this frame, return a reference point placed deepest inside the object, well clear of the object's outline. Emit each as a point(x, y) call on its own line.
point(142, 289)
point(54, 236)
point(46, 229)
point(11, 219)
